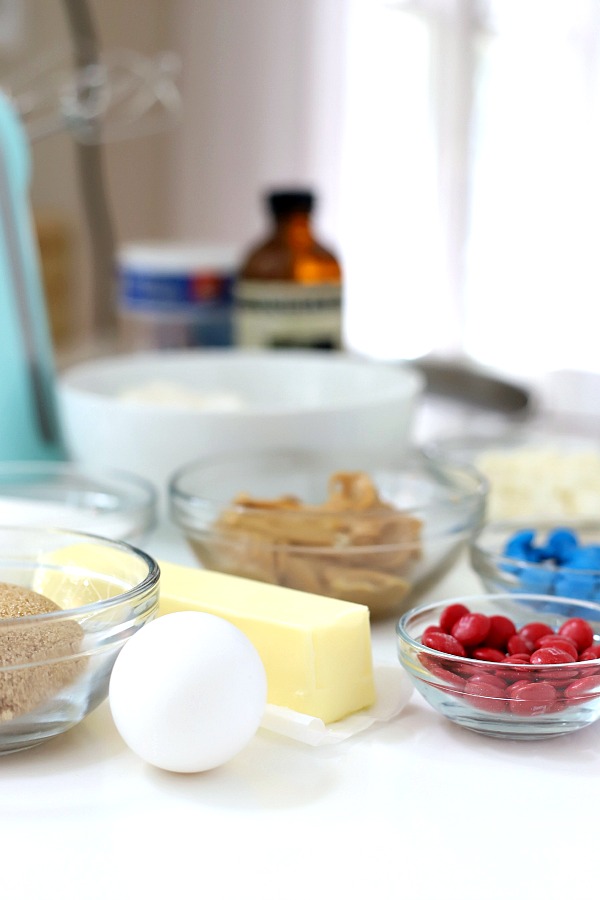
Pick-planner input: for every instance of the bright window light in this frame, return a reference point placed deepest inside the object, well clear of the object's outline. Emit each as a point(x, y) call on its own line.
point(389, 218)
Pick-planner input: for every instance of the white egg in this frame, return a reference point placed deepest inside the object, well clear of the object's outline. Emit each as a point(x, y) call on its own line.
point(188, 691)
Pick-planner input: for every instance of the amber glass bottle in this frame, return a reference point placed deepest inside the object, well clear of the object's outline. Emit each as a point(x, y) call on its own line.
point(289, 289)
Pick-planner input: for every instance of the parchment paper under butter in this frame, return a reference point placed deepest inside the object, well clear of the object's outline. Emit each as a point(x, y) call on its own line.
point(393, 690)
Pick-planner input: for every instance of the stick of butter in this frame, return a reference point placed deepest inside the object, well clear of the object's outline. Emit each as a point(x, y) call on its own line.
point(316, 650)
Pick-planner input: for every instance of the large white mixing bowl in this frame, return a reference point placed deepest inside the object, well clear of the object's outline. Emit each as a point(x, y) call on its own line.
point(149, 413)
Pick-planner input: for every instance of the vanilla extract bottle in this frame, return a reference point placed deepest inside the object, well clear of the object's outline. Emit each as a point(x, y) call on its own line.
point(288, 293)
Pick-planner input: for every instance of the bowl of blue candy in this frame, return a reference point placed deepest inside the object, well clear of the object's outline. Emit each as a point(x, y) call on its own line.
point(539, 557)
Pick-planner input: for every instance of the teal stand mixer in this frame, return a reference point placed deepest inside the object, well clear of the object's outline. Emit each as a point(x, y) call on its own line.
point(118, 92)
point(29, 424)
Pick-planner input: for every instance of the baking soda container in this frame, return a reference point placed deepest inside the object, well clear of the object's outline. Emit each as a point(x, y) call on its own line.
point(173, 295)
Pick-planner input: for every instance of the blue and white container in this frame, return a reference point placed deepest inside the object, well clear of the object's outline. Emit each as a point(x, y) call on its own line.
point(174, 295)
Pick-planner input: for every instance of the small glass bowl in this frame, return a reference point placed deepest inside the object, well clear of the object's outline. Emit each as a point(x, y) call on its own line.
point(533, 473)
point(113, 504)
point(340, 541)
point(55, 665)
point(571, 702)
point(501, 573)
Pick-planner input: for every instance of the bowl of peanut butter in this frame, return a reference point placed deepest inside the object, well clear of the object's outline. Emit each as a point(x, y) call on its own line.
point(374, 534)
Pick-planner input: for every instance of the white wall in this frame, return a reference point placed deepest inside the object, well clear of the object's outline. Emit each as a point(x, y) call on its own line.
point(260, 79)
point(134, 170)
point(258, 76)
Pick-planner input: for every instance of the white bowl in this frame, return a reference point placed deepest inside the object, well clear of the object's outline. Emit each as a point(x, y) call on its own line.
point(186, 404)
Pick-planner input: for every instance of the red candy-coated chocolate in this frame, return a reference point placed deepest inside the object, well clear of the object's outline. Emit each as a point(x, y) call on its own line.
point(451, 678)
point(555, 640)
point(452, 614)
point(533, 631)
point(511, 674)
point(581, 690)
point(477, 693)
point(533, 699)
point(557, 678)
point(514, 687)
point(553, 656)
point(488, 678)
point(445, 643)
point(488, 654)
point(471, 629)
point(579, 631)
point(468, 669)
point(517, 644)
point(501, 629)
point(432, 629)
point(590, 653)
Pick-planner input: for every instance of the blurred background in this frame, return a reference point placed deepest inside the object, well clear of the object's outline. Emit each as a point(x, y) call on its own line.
point(453, 146)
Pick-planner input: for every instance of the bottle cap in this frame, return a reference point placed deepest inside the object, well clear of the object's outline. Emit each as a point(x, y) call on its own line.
point(282, 202)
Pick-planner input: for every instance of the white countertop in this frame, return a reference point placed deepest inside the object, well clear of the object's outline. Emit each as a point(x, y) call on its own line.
point(415, 808)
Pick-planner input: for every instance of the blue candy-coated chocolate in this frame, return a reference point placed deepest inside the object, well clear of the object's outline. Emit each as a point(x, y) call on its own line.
point(561, 544)
point(514, 569)
point(538, 581)
point(562, 547)
point(520, 546)
point(580, 587)
point(584, 558)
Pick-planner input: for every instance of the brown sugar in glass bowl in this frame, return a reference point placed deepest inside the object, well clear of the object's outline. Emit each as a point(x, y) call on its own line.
point(23, 689)
point(68, 603)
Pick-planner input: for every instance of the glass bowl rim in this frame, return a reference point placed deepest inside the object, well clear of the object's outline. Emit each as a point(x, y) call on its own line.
point(72, 467)
point(150, 580)
point(136, 495)
point(182, 502)
point(84, 381)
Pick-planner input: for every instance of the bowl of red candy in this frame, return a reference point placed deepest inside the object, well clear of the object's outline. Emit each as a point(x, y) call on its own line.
point(516, 666)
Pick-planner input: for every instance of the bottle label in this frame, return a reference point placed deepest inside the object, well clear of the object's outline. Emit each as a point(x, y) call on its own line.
point(286, 314)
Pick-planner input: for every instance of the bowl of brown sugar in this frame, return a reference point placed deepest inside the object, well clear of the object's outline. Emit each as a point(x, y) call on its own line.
point(68, 603)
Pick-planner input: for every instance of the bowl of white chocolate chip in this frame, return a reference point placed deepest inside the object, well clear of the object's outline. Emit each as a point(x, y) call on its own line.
point(542, 475)
point(68, 603)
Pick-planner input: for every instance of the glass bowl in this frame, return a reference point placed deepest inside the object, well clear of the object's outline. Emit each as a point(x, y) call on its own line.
point(373, 535)
point(113, 504)
point(533, 473)
point(57, 650)
point(555, 565)
point(511, 699)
